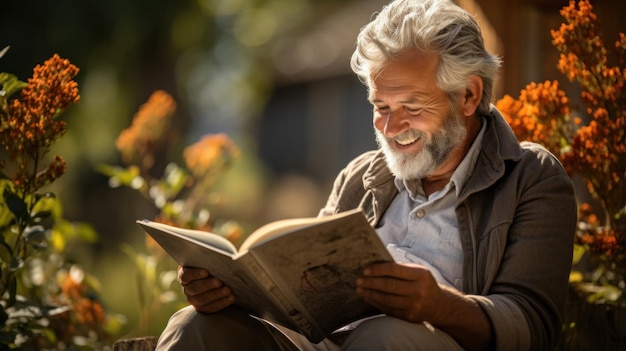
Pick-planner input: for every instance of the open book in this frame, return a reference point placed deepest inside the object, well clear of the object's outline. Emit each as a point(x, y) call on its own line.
point(299, 273)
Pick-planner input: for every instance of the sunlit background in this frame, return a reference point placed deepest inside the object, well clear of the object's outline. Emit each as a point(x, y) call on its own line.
point(272, 74)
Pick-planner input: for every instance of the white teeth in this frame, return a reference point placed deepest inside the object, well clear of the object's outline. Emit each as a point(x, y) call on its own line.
point(408, 137)
point(405, 141)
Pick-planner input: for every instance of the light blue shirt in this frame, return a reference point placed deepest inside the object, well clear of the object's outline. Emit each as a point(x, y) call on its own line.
point(424, 230)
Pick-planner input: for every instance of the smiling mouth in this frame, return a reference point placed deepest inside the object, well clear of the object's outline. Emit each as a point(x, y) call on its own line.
point(406, 140)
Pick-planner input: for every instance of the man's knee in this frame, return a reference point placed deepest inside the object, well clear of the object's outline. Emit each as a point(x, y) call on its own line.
point(388, 333)
point(230, 329)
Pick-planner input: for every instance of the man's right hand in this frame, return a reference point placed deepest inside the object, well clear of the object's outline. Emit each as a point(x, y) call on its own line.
point(204, 292)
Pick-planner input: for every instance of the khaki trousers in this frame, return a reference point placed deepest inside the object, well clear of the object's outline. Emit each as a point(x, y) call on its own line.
point(233, 329)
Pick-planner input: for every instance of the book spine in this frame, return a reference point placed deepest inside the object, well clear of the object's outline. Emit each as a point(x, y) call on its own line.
point(294, 314)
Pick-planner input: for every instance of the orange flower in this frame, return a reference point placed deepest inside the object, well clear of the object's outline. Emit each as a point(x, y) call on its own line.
point(148, 129)
point(541, 114)
point(85, 310)
point(210, 154)
point(89, 312)
point(30, 124)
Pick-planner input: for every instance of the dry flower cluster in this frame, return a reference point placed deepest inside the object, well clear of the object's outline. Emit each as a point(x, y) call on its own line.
point(592, 144)
point(30, 124)
point(41, 305)
point(137, 143)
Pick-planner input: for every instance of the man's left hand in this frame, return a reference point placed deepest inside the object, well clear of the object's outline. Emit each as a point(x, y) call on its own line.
point(405, 291)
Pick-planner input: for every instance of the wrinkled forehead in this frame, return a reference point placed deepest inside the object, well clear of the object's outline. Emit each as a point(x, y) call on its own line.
point(409, 68)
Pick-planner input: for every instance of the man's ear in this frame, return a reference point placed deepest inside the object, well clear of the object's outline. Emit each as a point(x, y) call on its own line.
point(473, 94)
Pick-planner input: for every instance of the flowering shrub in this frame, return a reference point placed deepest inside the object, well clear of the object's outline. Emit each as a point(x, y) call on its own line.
point(594, 148)
point(183, 196)
point(45, 302)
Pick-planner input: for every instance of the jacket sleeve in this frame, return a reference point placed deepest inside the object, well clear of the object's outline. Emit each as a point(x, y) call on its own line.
point(526, 241)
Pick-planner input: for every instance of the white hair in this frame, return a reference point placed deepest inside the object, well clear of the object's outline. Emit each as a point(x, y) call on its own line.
point(430, 26)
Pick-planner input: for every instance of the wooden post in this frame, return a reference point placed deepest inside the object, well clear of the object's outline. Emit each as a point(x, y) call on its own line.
point(147, 343)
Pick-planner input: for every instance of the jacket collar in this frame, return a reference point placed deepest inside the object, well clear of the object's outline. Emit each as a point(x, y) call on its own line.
point(500, 146)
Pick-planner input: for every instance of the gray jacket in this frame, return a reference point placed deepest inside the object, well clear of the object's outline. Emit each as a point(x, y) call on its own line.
point(517, 217)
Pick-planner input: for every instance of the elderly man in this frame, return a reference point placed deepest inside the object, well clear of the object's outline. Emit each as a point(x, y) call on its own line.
point(480, 226)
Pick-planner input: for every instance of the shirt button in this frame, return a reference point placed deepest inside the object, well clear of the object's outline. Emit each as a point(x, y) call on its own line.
point(420, 213)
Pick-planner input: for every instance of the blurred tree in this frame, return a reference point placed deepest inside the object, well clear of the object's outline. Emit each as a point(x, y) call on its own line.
point(213, 56)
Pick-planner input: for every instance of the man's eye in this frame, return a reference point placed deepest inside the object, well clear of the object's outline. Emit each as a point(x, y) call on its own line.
point(413, 111)
point(382, 109)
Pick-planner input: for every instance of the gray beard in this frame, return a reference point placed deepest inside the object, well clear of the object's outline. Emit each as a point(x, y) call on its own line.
point(433, 154)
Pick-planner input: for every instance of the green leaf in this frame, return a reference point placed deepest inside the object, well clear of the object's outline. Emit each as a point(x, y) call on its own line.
point(604, 294)
point(40, 216)
point(12, 292)
point(16, 205)
point(6, 217)
point(86, 232)
point(10, 84)
point(579, 252)
point(119, 176)
point(575, 276)
point(83, 231)
point(47, 195)
point(170, 211)
point(9, 250)
point(114, 324)
point(175, 178)
point(46, 206)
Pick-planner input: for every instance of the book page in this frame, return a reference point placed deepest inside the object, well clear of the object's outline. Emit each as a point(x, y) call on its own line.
point(215, 240)
point(285, 226)
point(318, 267)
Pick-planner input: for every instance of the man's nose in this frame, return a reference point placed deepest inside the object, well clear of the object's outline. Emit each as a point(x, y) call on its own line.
point(395, 122)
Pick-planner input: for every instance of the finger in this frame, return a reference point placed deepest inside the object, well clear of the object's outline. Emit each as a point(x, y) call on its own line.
point(394, 269)
point(399, 306)
point(388, 285)
point(382, 299)
point(201, 286)
point(208, 297)
point(213, 305)
point(189, 274)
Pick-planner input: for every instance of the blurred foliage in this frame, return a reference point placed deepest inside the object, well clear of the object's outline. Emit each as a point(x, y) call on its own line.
point(214, 58)
point(184, 196)
point(47, 301)
point(212, 55)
